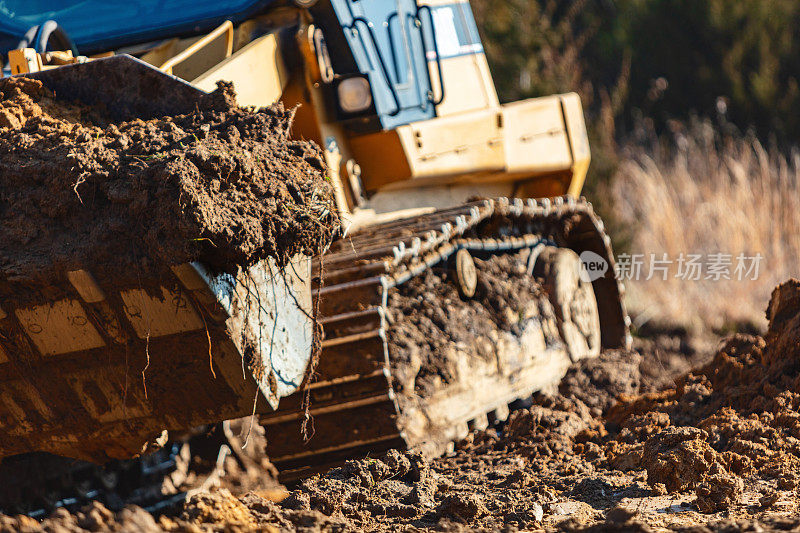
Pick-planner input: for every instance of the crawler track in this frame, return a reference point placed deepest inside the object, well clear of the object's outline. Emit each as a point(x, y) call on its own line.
point(35, 484)
point(353, 405)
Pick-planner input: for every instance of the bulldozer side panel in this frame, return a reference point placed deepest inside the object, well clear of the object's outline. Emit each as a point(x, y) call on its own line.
point(541, 139)
point(257, 72)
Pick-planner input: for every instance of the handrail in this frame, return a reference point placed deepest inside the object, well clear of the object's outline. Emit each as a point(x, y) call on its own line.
point(425, 100)
point(384, 70)
point(225, 27)
point(435, 51)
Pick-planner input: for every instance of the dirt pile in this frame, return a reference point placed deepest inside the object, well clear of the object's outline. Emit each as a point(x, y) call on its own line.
point(734, 420)
point(222, 184)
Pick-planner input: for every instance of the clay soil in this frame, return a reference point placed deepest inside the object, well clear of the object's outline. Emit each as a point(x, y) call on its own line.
point(670, 436)
point(222, 184)
point(433, 330)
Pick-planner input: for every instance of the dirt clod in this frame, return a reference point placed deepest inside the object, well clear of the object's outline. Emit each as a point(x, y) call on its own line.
point(678, 457)
point(718, 492)
point(462, 506)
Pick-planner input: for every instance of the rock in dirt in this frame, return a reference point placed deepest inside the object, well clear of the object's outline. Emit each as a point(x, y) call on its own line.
point(223, 184)
point(679, 457)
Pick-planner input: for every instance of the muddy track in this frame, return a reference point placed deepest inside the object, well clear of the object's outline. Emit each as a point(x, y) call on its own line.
point(363, 400)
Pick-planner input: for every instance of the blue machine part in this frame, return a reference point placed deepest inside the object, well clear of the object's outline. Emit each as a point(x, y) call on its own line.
point(96, 25)
point(393, 43)
point(387, 45)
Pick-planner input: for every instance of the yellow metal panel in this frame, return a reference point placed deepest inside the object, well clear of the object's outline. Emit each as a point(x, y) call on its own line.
point(538, 143)
point(535, 137)
point(60, 327)
point(104, 399)
point(468, 84)
point(382, 158)
point(579, 141)
point(155, 317)
point(257, 73)
point(468, 142)
point(86, 286)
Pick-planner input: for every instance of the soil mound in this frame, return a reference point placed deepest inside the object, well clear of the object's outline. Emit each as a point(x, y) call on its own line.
point(736, 417)
point(222, 184)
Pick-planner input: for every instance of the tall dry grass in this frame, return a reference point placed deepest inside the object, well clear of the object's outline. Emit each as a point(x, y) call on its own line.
point(702, 192)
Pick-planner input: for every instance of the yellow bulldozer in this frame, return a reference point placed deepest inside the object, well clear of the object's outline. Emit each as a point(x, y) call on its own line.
point(446, 195)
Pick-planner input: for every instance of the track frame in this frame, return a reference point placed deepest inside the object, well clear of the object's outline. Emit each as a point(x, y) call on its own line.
point(354, 408)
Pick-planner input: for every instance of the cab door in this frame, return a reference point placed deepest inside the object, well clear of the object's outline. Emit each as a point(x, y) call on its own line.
point(387, 43)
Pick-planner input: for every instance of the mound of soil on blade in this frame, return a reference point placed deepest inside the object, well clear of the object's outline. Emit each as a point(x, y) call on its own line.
point(223, 184)
point(433, 330)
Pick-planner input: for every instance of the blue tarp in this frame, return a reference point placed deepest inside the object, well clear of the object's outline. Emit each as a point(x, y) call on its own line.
point(100, 24)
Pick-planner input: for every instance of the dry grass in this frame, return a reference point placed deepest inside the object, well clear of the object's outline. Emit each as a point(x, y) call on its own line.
point(702, 193)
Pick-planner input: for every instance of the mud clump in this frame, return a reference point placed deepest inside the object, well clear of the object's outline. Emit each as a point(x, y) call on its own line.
point(598, 382)
point(735, 419)
point(432, 330)
point(217, 508)
point(222, 184)
point(678, 457)
point(718, 492)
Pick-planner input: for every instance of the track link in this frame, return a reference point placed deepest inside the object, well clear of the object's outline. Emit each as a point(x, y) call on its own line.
point(353, 404)
point(36, 484)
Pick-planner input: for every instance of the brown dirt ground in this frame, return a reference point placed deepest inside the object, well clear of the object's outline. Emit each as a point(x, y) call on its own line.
point(631, 441)
point(222, 184)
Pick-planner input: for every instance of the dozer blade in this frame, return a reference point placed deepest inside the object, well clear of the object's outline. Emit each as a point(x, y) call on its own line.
point(94, 370)
point(126, 87)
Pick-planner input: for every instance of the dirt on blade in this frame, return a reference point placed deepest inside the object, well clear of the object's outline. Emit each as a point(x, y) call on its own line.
point(223, 184)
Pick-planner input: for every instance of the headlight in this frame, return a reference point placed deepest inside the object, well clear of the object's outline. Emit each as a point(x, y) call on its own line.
point(355, 95)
